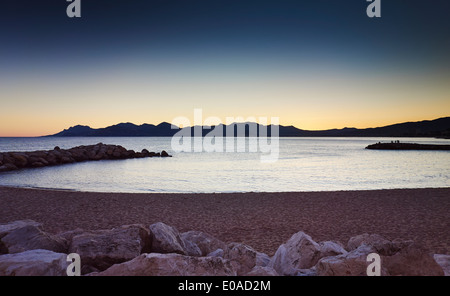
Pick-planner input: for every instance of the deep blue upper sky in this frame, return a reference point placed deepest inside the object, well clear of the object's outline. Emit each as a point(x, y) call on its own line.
point(190, 41)
point(40, 29)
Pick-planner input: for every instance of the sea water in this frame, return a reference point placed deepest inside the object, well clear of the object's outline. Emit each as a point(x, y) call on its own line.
point(304, 164)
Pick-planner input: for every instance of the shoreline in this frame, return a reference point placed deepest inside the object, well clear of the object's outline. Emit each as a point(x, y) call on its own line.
point(213, 193)
point(263, 220)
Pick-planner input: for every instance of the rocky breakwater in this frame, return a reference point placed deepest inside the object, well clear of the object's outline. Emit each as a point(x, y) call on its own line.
point(160, 250)
point(10, 161)
point(407, 146)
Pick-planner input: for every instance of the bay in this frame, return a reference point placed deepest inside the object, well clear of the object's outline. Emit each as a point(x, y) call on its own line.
point(304, 164)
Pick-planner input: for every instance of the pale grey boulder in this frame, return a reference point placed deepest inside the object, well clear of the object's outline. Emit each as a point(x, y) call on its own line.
point(8, 227)
point(102, 248)
point(380, 244)
point(262, 271)
point(34, 263)
point(216, 253)
point(412, 260)
point(301, 252)
point(204, 241)
point(330, 248)
point(166, 239)
point(156, 264)
point(444, 262)
point(24, 235)
point(397, 258)
point(191, 249)
point(245, 257)
point(353, 263)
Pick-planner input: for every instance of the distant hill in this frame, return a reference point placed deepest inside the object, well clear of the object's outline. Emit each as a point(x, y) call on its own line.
point(428, 128)
point(119, 130)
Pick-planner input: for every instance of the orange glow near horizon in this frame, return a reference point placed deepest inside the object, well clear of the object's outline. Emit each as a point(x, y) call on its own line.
point(312, 101)
point(35, 127)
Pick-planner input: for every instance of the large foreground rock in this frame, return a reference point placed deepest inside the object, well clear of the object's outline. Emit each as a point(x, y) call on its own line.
point(365, 239)
point(245, 257)
point(412, 260)
point(190, 248)
point(330, 248)
point(262, 271)
point(397, 258)
point(204, 241)
point(444, 262)
point(24, 235)
point(300, 252)
point(353, 263)
point(156, 264)
point(8, 227)
point(33, 263)
point(101, 249)
point(381, 245)
point(166, 239)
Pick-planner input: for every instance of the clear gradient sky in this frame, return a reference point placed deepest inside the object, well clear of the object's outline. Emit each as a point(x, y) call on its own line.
point(316, 64)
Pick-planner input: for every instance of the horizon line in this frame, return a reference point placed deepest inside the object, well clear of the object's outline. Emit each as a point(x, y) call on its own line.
point(236, 122)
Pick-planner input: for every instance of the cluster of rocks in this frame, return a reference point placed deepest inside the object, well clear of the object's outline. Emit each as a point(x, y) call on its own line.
point(160, 250)
point(407, 146)
point(15, 160)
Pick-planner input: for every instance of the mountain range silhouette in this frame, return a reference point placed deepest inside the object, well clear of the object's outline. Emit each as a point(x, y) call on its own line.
point(428, 128)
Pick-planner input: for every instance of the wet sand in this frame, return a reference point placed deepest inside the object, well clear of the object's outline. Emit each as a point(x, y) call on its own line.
point(261, 220)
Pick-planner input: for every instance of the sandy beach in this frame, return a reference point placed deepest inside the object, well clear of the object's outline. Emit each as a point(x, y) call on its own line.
point(261, 220)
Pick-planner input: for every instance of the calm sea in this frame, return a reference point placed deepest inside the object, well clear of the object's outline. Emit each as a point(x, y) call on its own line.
point(304, 164)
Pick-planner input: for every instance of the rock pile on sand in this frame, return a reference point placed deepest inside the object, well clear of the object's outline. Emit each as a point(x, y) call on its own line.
point(160, 250)
point(10, 161)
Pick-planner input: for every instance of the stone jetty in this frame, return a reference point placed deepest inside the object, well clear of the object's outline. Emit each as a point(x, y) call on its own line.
point(407, 146)
point(10, 161)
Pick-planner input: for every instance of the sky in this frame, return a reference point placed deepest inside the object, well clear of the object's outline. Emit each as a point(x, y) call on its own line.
point(316, 64)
